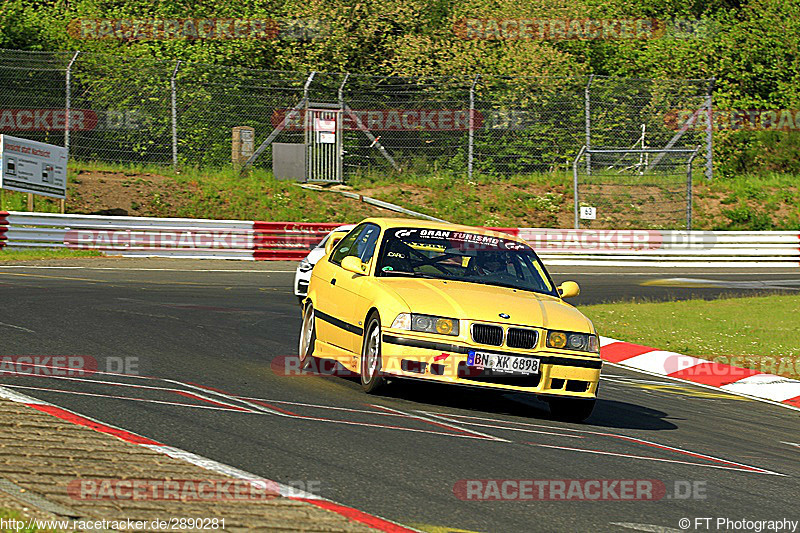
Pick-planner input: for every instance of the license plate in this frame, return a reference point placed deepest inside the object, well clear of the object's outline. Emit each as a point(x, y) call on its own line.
point(503, 363)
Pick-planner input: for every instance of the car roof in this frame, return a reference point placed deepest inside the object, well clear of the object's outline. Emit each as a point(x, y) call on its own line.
point(387, 223)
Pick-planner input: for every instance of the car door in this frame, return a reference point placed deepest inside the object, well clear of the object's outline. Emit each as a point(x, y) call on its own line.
point(338, 299)
point(347, 286)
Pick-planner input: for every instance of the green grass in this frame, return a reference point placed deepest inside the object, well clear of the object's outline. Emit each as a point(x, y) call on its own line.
point(747, 202)
point(31, 255)
point(760, 332)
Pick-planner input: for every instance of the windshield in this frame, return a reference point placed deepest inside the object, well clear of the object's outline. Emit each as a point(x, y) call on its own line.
point(462, 256)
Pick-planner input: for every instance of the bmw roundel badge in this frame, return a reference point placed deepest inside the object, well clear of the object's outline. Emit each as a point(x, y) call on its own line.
point(505, 315)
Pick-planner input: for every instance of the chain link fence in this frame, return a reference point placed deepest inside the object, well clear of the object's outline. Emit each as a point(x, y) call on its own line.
point(135, 110)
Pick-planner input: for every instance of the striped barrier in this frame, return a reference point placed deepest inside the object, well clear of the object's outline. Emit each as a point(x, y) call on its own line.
point(165, 237)
point(256, 240)
point(3, 228)
point(643, 248)
point(729, 378)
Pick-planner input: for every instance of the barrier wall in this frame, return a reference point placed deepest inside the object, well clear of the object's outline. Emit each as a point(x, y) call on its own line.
point(255, 240)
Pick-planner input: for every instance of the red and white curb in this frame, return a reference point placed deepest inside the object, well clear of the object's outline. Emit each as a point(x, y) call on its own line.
point(746, 382)
point(292, 493)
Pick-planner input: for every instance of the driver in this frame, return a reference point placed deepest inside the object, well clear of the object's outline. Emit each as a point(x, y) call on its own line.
point(487, 264)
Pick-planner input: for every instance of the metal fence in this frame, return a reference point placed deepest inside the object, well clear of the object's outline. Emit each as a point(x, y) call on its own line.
point(137, 110)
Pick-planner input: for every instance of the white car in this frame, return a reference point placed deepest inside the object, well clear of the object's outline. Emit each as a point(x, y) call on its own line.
point(303, 274)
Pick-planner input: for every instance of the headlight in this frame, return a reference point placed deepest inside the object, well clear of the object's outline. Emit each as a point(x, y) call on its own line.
point(580, 342)
point(426, 323)
point(305, 266)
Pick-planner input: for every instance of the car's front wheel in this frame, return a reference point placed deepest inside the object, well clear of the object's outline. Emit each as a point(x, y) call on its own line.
point(308, 336)
point(571, 409)
point(371, 363)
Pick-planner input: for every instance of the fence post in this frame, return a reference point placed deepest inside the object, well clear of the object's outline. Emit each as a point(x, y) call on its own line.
point(576, 203)
point(587, 116)
point(471, 139)
point(710, 130)
point(68, 100)
point(174, 98)
point(340, 130)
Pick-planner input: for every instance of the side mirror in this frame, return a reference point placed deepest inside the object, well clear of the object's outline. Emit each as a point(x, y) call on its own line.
point(332, 242)
point(568, 289)
point(353, 264)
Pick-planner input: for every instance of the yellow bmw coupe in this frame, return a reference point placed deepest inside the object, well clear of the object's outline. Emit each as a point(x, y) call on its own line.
point(448, 303)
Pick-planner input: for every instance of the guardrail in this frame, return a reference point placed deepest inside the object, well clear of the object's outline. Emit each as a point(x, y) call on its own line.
point(642, 248)
point(164, 237)
point(256, 240)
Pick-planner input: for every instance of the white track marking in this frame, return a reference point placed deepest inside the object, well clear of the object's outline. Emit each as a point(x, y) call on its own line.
point(659, 459)
point(449, 425)
point(649, 528)
point(113, 397)
point(17, 327)
point(506, 428)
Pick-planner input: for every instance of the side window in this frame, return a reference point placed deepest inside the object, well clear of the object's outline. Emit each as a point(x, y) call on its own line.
point(366, 242)
point(345, 246)
point(359, 243)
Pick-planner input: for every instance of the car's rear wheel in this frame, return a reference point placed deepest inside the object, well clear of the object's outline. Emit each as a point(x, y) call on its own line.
point(571, 409)
point(371, 363)
point(308, 336)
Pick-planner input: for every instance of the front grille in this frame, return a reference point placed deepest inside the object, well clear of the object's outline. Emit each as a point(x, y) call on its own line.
point(521, 338)
point(487, 334)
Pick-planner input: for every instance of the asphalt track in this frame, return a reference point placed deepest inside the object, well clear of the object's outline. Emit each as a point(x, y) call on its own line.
point(228, 325)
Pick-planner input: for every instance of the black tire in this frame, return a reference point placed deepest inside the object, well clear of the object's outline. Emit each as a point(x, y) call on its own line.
point(371, 363)
point(308, 336)
point(571, 409)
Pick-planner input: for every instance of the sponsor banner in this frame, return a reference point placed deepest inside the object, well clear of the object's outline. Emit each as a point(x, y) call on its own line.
point(47, 365)
point(390, 119)
point(734, 119)
point(47, 119)
point(33, 167)
point(185, 490)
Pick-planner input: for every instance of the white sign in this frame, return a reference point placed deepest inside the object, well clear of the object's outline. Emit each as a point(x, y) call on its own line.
point(31, 166)
point(588, 213)
point(326, 125)
point(326, 138)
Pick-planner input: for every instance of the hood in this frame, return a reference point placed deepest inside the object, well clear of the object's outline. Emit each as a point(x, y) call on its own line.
point(484, 303)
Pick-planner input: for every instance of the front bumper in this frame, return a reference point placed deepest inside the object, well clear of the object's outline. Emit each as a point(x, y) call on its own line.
point(560, 373)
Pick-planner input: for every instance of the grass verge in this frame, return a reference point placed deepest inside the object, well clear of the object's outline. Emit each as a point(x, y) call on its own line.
point(746, 202)
point(32, 255)
point(752, 332)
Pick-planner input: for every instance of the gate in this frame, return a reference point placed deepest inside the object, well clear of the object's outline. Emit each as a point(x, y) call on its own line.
point(323, 141)
point(643, 189)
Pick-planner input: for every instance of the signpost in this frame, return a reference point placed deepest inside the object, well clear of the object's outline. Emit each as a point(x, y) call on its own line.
point(33, 167)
